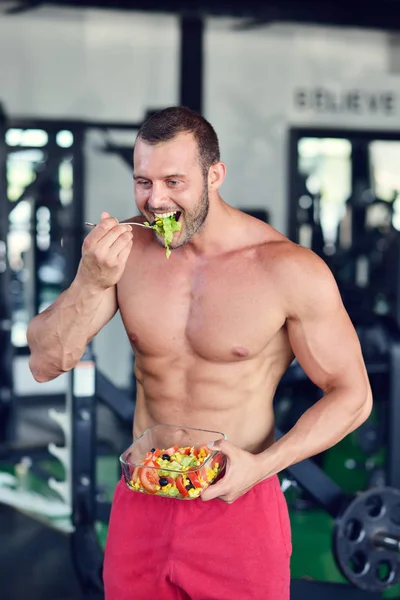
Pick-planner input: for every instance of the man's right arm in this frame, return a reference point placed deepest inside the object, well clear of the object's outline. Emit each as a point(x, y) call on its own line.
point(58, 336)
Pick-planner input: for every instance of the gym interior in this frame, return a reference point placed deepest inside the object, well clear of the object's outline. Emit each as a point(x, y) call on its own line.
point(305, 98)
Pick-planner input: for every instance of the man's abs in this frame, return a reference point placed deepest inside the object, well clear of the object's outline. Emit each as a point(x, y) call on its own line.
point(236, 399)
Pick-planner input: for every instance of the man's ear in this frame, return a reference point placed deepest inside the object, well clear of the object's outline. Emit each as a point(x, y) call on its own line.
point(216, 176)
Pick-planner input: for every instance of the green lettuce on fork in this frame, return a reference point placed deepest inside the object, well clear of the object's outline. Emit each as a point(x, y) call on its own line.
point(165, 227)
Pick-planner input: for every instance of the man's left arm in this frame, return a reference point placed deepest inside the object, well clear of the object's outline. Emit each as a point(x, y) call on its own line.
point(326, 345)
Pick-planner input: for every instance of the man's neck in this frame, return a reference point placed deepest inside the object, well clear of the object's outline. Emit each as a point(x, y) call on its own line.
point(216, 236)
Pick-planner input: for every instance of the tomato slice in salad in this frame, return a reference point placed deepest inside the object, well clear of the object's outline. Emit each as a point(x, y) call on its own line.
point(136, 473)
point(181, 487)
point(149, 480)
point(152, 455)
point(193, 478)
point(171, 450)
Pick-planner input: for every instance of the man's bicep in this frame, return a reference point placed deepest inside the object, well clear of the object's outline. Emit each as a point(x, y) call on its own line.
point(323, 338)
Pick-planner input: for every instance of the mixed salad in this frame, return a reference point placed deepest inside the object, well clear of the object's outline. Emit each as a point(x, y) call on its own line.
point(165, 227)
point(176, 472)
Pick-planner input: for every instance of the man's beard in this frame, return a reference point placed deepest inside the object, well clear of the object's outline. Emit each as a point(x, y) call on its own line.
point(191, 221)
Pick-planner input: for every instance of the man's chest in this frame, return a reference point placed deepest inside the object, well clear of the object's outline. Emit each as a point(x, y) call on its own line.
point(219, 314)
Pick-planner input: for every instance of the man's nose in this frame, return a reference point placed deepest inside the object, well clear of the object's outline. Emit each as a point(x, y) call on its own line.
point(159, 196)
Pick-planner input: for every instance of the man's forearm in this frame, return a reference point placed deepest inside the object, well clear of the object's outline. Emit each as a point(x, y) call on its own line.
point(328, 421)
point(57, 337)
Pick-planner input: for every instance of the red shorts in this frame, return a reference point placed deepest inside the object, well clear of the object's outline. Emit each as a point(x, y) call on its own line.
point(193, 550)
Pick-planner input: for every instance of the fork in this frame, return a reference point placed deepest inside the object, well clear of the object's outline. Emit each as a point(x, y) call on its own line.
point(130, 223)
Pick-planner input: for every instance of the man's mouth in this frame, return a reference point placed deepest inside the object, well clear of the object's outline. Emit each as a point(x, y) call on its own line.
point(176, 214)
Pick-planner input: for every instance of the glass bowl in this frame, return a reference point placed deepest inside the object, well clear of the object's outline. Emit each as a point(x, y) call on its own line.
point(172, 461)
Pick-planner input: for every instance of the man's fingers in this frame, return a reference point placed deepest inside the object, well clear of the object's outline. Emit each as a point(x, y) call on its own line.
point(123, 240)
point(214, 491)
point(100, 231)
point(123, 255)
point(105, 234)
point(227, 448)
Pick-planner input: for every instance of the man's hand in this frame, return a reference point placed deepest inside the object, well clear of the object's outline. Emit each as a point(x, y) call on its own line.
point(243, 471)
point(105, 252)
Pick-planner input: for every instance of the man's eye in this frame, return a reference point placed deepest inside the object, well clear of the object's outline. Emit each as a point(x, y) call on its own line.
point(143, 182)
point(172, 182)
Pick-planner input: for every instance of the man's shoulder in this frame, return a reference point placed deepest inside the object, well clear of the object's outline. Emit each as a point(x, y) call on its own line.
point(302, 279)
point(293, 264)
point(280, 252)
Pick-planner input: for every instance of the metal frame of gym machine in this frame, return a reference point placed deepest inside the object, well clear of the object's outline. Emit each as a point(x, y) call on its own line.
point(9, 449)
point(73, 234)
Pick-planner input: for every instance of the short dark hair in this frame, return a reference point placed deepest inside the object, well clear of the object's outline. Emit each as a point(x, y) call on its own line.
point(170, 122)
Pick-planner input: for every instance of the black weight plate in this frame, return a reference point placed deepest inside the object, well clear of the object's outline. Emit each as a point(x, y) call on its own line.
point(361, 560)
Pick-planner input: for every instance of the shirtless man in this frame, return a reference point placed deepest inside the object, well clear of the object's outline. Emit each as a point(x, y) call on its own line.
point(213, 329)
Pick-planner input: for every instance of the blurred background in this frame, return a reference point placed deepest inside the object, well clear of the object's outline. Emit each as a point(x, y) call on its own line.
point(305, 99)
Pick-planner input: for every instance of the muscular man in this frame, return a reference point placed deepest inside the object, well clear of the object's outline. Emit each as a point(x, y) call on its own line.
point(213, 329)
